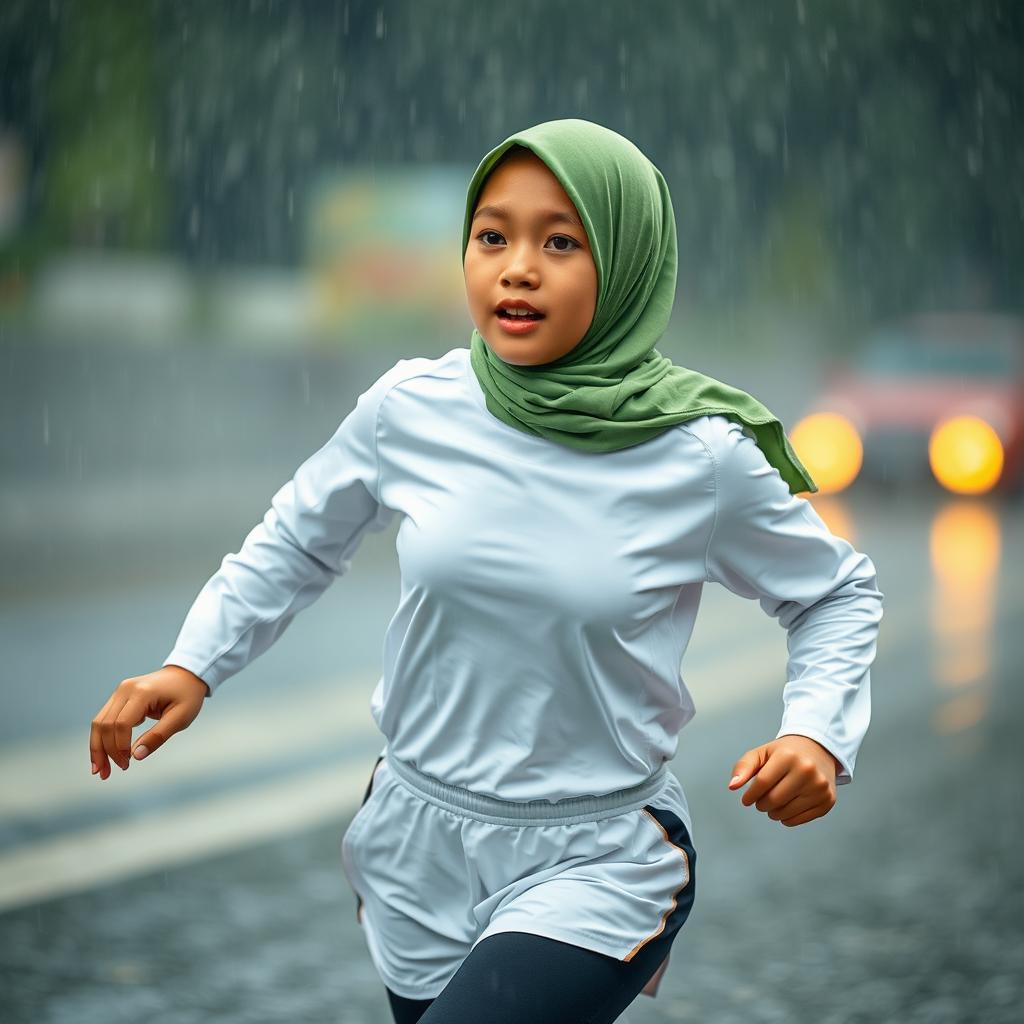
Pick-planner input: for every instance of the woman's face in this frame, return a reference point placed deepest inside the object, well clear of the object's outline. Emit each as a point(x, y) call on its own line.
point(527, 243)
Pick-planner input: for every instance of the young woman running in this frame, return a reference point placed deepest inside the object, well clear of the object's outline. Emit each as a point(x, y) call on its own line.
point(564, 491)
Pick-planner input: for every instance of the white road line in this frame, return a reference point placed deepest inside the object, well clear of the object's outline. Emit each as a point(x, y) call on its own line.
point(107, 854)
point(54, 774)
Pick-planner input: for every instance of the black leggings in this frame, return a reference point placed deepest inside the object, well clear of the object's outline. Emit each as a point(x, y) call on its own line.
point(520, 978)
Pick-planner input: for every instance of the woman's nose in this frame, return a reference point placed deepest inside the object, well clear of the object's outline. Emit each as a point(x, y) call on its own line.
point(521, 267)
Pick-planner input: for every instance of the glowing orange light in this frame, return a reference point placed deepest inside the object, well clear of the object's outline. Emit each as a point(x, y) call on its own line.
point(966, 455)
point(830, 447)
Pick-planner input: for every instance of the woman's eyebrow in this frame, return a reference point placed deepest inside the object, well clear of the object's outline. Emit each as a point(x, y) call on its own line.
point(546, 215)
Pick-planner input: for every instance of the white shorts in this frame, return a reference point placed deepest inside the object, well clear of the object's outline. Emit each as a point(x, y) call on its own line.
point(436, 869)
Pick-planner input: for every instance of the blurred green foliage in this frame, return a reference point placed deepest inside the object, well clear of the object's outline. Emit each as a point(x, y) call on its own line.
point(103, 187)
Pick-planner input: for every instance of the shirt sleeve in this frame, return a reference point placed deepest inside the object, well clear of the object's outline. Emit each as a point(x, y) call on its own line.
point(769, 544)
point(305, 541)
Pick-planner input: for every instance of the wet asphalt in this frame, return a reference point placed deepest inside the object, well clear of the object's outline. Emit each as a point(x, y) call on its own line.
point(904, 904)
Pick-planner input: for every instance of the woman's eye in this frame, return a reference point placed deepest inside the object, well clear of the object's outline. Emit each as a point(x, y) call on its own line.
point(482, 233)
point(564, 238)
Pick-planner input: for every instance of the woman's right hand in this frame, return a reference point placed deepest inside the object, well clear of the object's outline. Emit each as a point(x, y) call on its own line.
point(171, 695)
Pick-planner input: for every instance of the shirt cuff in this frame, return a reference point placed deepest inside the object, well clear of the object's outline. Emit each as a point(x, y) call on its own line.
point(196, 667)
point(844, 774)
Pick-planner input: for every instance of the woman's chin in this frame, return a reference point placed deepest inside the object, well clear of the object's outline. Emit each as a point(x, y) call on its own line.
point(523, 351)
point(509, 350)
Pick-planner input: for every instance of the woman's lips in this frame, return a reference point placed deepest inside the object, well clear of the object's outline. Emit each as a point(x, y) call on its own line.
point(518, 325)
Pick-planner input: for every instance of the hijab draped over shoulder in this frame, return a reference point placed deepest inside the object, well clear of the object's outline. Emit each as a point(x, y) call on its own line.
point(614, 389)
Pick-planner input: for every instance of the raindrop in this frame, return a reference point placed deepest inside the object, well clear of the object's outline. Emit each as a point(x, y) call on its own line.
point(46, 424)
point(381, 28)
point(764, 138)
point(722, 162)
point(582, 88)
point(235, 160)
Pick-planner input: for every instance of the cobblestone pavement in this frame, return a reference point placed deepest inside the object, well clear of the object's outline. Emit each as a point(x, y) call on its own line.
point(905, 904)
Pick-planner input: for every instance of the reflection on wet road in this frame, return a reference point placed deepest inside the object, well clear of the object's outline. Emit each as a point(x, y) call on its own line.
point(966, 550)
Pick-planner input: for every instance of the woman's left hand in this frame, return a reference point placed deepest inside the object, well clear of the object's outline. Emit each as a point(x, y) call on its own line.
point(794, 779)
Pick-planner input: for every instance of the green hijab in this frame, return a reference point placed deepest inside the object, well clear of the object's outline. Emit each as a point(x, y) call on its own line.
point(614, 389)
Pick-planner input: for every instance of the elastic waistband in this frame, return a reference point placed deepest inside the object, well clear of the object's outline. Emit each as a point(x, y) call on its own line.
point(570, 811)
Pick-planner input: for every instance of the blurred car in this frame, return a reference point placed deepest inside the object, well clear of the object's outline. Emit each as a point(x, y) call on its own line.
point(932, 397)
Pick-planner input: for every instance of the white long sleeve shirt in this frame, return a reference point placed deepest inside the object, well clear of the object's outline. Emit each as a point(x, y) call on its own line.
point(548, 595)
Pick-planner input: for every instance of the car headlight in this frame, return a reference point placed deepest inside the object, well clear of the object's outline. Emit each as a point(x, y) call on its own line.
point(966, 455)
point(829, 445)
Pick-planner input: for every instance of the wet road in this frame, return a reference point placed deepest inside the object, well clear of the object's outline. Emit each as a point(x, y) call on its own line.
point(208, 886)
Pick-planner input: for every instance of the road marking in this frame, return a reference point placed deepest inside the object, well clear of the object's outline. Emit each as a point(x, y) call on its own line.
point(54, 774)
point(107, 854)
